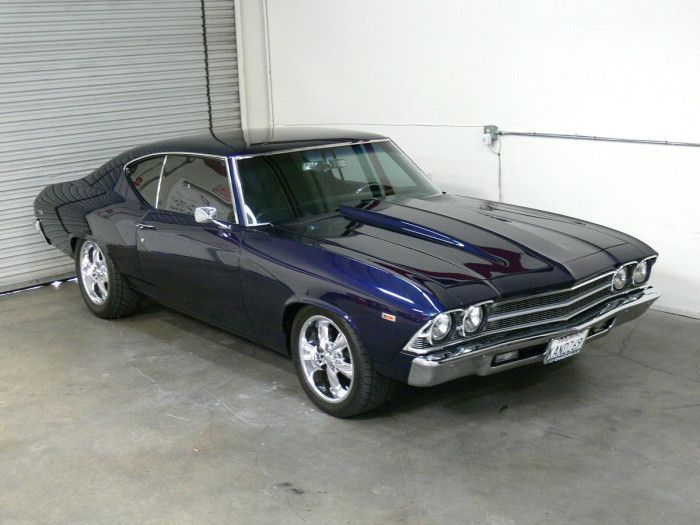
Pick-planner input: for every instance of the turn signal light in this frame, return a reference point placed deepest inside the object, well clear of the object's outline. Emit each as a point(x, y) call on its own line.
point(506, 356)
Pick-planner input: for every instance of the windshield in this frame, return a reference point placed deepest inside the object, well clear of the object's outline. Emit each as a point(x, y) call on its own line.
point(287, 186)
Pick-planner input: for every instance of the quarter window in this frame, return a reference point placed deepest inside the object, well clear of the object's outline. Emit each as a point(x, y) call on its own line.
point(190, 182)
point(144, 177)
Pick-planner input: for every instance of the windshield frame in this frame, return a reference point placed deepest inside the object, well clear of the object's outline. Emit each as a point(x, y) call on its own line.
point(239, 186)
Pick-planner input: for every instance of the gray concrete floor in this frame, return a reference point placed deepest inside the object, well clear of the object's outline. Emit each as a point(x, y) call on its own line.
point(159, 418)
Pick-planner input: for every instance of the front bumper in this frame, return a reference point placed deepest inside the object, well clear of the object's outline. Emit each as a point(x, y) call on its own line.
point(478, 357)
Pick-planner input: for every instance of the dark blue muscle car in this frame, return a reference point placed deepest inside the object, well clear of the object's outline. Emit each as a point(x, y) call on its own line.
point(335, 248)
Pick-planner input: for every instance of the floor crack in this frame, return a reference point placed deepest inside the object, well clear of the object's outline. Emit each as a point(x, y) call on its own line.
point(657, 369)
point(626, 339)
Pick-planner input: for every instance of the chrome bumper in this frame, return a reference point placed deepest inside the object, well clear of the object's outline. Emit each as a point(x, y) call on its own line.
point(478, 357)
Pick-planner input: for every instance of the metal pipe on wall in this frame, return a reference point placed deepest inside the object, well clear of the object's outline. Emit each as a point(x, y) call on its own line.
point(601, 139)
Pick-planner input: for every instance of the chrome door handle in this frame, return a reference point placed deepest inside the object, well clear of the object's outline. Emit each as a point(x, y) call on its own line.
point(142, 226)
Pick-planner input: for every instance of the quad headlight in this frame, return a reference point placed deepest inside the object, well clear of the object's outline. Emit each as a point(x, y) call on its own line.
point(473, 317)
point(619, 280)
point(640, 273)
point(449, 326)
point(441, 326)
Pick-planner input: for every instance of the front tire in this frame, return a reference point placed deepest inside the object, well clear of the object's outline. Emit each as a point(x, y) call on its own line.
point(105, 291)
point(333, 367)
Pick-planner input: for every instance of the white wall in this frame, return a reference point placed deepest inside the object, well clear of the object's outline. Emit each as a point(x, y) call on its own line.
point(624, 68)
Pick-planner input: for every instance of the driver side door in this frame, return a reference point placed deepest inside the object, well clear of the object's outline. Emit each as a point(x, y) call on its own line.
point(192, 267)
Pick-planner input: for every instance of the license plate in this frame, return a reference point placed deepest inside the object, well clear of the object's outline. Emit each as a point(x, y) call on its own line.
point(564, 347)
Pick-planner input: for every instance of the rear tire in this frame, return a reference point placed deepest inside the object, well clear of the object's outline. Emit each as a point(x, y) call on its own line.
point(105, 291)
point(333, 367)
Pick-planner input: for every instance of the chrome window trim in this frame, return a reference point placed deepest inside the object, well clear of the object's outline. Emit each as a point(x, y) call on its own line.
point(131, 182)
point(307, 148)
point(416, 166)
point(236, 158)
point(165, 155)
point(239, 194)
point(234, 177)
point(160, 179)
point(161, 153)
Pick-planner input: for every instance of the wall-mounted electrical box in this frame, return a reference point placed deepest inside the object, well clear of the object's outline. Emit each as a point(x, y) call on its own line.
point(490, 135)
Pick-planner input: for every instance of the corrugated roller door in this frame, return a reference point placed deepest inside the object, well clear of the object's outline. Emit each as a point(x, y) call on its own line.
point(82, 81)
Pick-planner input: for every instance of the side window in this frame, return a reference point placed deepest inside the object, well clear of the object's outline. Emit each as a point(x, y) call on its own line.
point(263, 185)
point(144, 177)
point(190, 182)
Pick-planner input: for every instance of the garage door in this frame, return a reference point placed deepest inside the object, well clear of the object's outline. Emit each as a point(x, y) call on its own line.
point(81, 81)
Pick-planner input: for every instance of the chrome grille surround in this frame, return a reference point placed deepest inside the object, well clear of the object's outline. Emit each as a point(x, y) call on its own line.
point(556, 306)
point(547, 308)
point(576, 301)
point(542, 300)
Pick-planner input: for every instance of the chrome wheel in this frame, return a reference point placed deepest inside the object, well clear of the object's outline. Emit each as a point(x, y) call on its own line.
point(325, 358)
point(93, 272)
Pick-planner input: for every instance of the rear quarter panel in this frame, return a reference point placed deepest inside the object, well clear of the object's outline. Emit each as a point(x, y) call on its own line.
point(63, 208)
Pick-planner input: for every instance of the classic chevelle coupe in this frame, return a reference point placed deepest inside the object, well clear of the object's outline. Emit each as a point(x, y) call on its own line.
point(335, 247)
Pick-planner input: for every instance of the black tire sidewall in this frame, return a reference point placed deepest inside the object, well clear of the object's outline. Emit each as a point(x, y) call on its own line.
point(104, 309)
point(361, 374)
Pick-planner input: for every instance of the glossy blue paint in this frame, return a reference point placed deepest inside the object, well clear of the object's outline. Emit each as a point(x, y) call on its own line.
point(411, 258)
point(368, 216)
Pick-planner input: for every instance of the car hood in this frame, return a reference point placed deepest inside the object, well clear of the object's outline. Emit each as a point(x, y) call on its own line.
point(453, 240)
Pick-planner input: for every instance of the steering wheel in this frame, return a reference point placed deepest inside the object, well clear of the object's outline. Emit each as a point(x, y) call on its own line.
point(250, 216)
point(259, 219)
point(368, 186)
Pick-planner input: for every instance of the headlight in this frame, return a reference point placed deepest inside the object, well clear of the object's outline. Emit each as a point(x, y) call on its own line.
point(619, 280)
point(473, 317)
point(440, 327)
point(640, 273)
point(436, 332)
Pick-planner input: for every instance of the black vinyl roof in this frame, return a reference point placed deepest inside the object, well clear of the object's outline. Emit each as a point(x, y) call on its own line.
point(253, 142)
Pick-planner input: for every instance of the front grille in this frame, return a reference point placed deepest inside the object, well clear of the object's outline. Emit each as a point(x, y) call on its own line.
point(549, 315)
point(547, 299)
point(420, 343)
point(549, 307)
point(529, 314)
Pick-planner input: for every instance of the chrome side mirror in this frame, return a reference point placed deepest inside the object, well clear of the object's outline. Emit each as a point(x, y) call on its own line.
point(206, 215)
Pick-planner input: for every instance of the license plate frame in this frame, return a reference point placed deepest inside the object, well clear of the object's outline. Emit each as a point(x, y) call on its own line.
point(562, 347)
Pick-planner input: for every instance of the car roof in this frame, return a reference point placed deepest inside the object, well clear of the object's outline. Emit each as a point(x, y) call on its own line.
point(253, 142)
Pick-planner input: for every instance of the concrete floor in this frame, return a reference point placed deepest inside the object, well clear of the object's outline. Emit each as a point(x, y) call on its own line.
point(161, 419)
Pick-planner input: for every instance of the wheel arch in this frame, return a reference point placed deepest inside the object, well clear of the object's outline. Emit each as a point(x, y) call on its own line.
point(74, 239)
point(295, 304)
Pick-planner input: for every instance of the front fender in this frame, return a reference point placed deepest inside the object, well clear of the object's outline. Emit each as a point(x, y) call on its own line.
point(296, 302)
point(278, 272)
